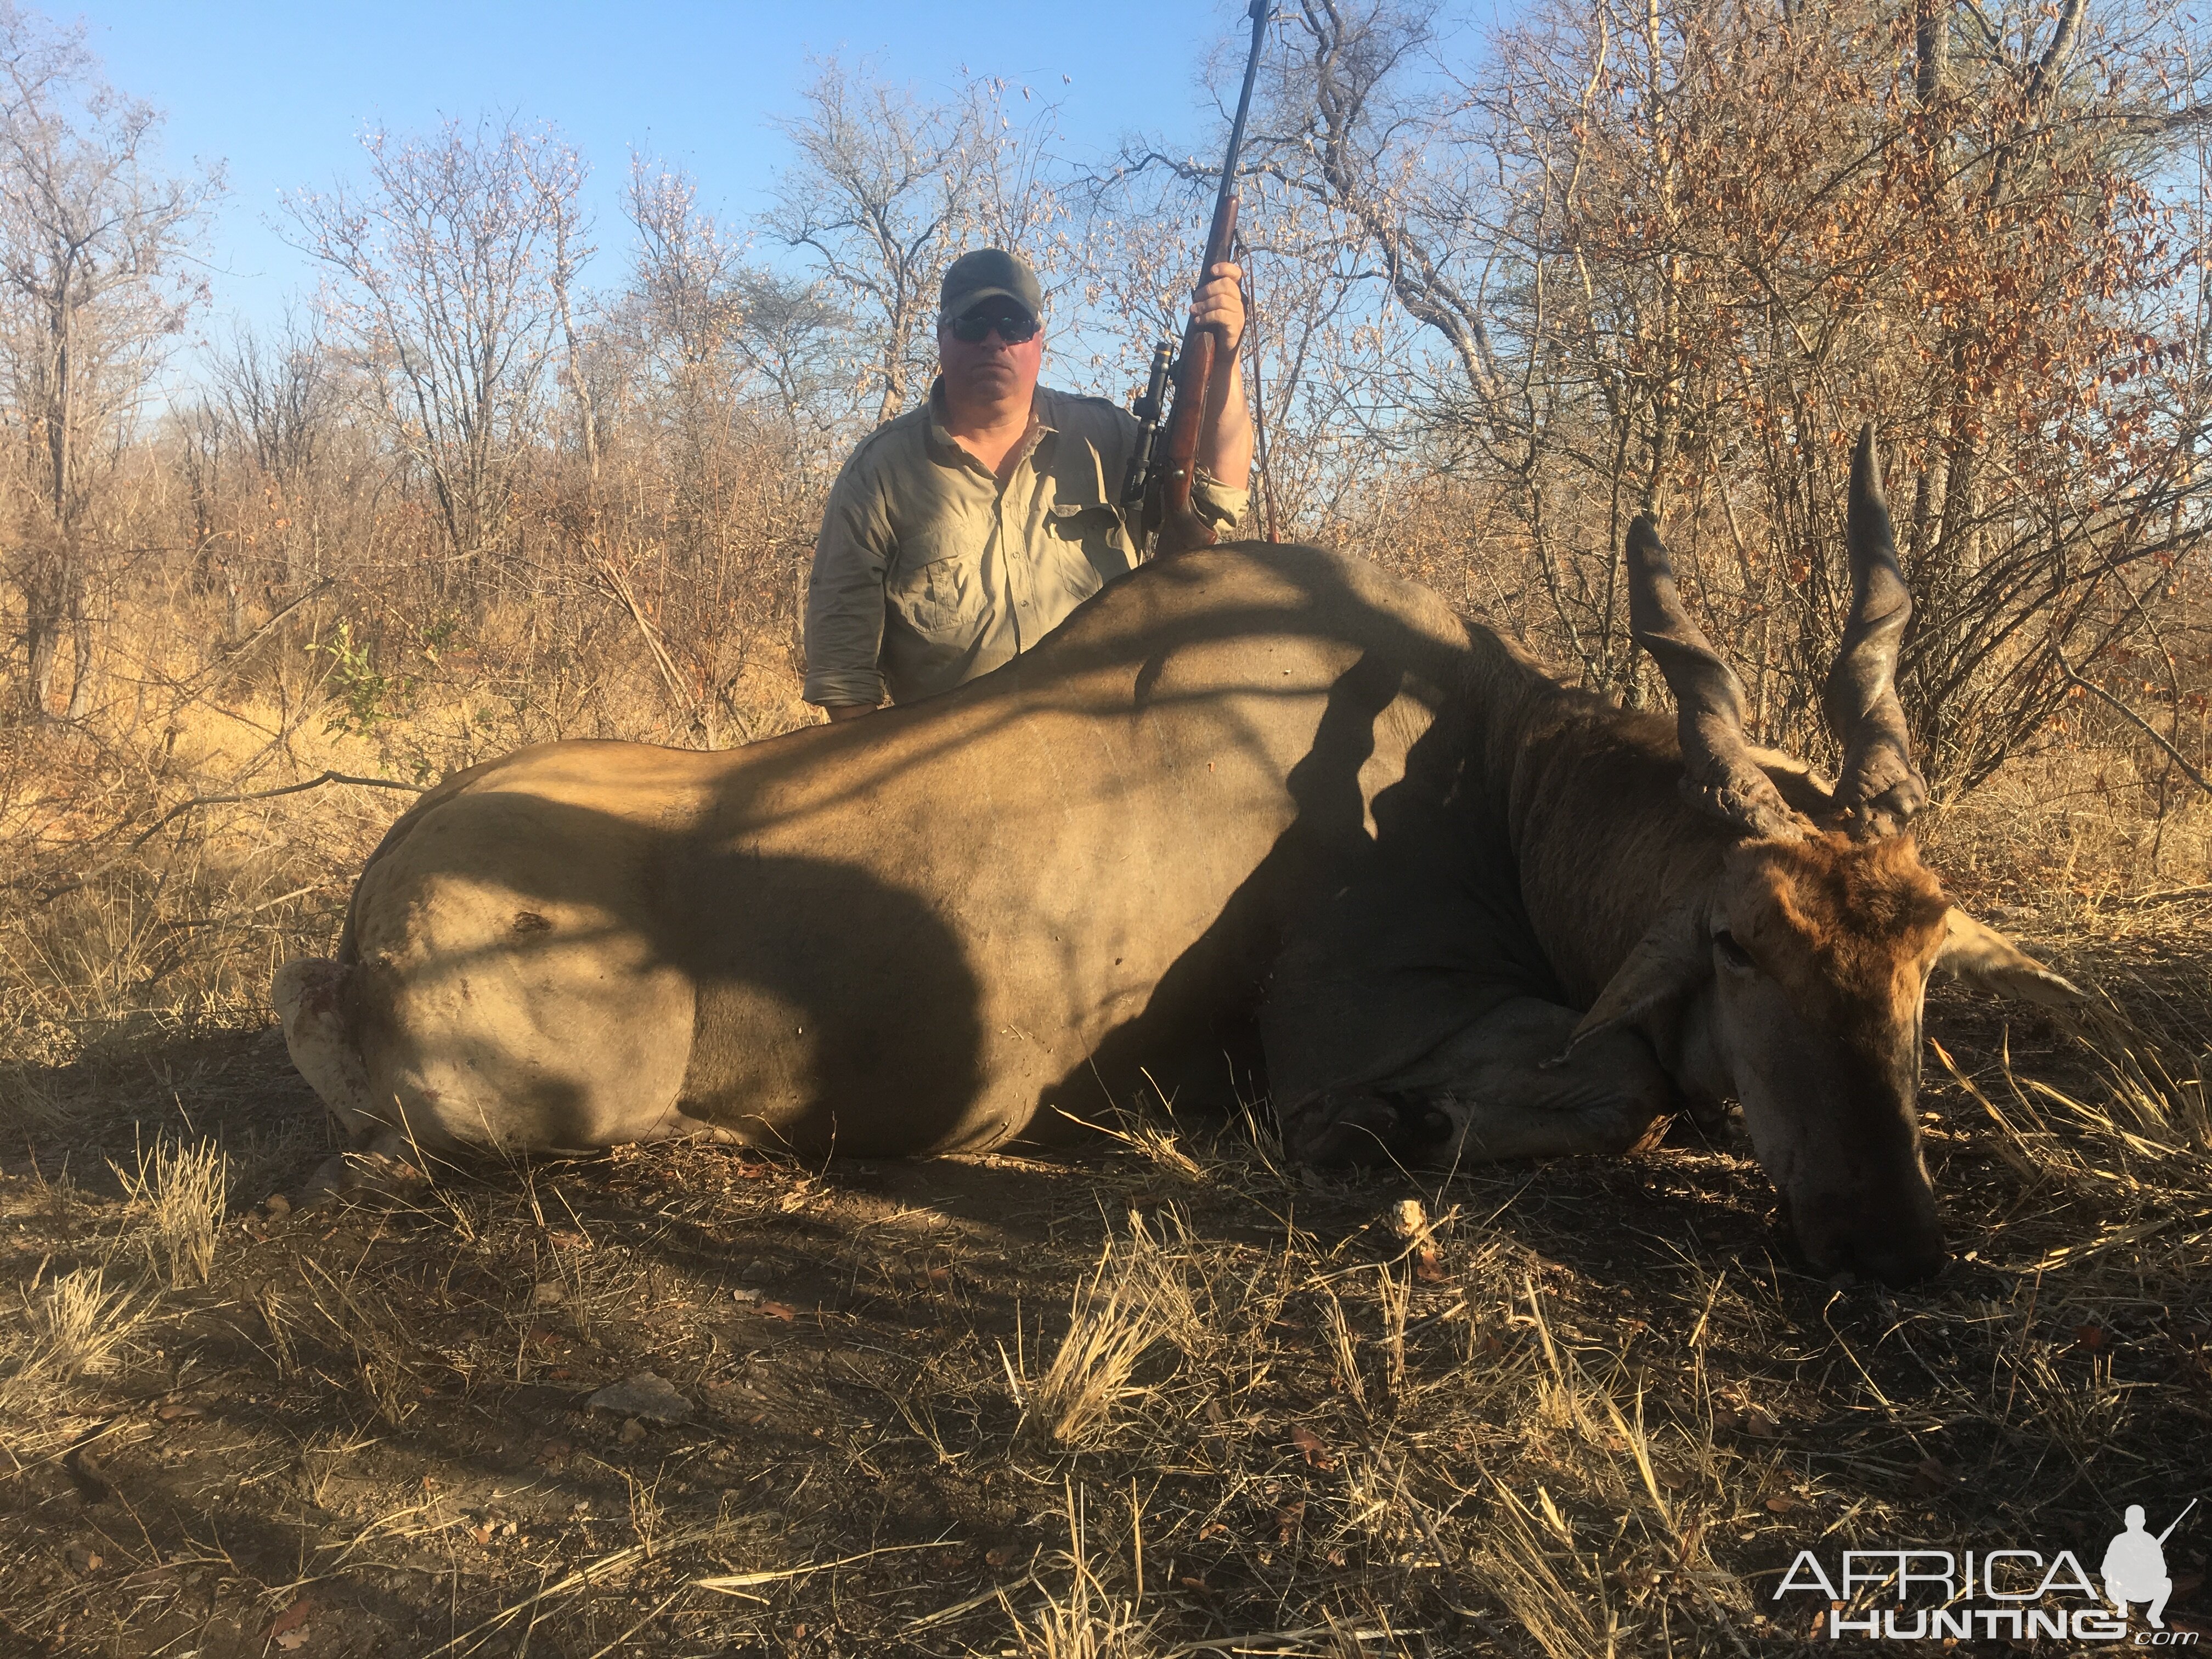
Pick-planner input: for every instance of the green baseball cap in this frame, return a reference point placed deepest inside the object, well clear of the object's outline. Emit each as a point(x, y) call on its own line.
point(989, 273)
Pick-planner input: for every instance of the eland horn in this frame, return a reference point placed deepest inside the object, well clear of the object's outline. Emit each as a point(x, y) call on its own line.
point(1878, 789)
point(1718, 771)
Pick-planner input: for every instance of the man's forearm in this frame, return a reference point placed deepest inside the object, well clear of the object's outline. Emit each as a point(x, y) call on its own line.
point(849, 711)
point(1224, 446)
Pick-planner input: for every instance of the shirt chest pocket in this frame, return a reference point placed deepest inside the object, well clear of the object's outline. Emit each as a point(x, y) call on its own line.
point(1081, 521)
point(1084, 521)
point(938, 590)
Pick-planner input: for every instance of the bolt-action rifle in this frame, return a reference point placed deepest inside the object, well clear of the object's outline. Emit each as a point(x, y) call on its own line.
point(1156, 494)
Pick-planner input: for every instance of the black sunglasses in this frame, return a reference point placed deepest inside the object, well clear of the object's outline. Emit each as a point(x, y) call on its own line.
point(1014, 327)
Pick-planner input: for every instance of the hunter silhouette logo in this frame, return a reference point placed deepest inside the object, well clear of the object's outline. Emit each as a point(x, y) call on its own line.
point(2135, 1566)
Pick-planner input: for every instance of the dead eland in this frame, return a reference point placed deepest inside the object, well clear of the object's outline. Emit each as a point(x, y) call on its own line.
point(1253, 813)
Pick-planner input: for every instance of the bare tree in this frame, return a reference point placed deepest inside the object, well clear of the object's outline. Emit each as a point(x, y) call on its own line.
point(94, 241)
point(1674, 254)
point(889, 189)
point(730, 405)
point(718, 330)
point(451, 273)
point(280, 394)
point(689, 271)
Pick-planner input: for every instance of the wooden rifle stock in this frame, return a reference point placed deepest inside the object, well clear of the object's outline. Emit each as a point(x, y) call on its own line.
point(1198, 394)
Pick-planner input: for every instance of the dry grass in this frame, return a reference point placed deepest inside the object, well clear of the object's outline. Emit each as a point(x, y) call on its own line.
point(1134, 1301)
point(1587, 1409)
point(79, 1326)
point(1591, 1408)
point(71, 1334)
point(182, 1190)
point(1084, 1619)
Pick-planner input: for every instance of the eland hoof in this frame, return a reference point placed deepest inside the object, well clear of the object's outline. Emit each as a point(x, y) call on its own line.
point(1363, 1131)
point(375, 1175)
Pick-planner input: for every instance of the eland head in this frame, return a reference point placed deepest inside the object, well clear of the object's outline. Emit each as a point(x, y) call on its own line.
point(1792, 981)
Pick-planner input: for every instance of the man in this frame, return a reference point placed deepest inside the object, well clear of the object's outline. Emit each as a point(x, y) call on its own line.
point(962, 532)
point(2135, 1569)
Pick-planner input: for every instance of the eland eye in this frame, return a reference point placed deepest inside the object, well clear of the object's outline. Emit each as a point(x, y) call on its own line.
point(1729, 950)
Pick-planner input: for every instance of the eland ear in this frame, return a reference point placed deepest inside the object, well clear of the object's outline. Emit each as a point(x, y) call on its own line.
point(1667, 964)
point(1984, 958)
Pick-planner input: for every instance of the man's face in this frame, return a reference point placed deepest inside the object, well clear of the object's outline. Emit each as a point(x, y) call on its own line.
point(991, 368)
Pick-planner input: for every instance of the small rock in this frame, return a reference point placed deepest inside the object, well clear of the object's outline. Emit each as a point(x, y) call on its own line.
point(545, 1293)
point(642, 1395)
point(83, 1560)
point(632, 1432)
point(91, 1480)
point(1406, 1219)
point(745, 1293)
point(757, 1273)
point(1408, 1223)
point(277, 1206)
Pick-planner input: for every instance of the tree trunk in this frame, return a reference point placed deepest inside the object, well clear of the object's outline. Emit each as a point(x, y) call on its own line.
point(80, 703)
point(894, 383)
point(42, 635)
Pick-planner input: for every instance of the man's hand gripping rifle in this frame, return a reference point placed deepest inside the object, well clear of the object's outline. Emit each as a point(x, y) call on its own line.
point(1156, 494)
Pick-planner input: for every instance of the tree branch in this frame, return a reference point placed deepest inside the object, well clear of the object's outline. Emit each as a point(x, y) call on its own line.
point(2130, 716)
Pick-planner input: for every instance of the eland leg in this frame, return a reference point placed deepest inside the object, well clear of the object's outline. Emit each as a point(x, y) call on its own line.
point(1497, 1089)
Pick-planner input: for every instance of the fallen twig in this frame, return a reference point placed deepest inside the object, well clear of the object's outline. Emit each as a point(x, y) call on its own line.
point(316, 782)
point(945, 1616)
point(1328, 1633)
point(2164, 896)
point(741, 1581)
point(576, 1580)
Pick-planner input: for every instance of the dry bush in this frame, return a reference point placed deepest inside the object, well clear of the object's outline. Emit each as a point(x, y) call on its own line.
point(1136, 1298)
point(77, 1327)
point(182, 1190)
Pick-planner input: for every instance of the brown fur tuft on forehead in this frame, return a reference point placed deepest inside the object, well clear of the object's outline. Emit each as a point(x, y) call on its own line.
point(1852, 913)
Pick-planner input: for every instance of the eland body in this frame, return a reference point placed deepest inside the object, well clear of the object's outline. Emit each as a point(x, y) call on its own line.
point(1252, 812)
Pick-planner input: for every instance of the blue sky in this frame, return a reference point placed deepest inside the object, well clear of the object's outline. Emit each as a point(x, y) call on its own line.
point(280, 93)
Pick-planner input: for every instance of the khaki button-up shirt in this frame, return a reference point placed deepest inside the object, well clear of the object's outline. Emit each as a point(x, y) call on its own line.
point(930, 571)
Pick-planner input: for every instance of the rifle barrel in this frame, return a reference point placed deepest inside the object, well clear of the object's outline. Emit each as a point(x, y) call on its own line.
point(1174, 458)
point(1259, 14)
point(2177, 1520)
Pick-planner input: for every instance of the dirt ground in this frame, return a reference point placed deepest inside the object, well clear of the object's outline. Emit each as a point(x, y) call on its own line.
point(1158, 1397)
